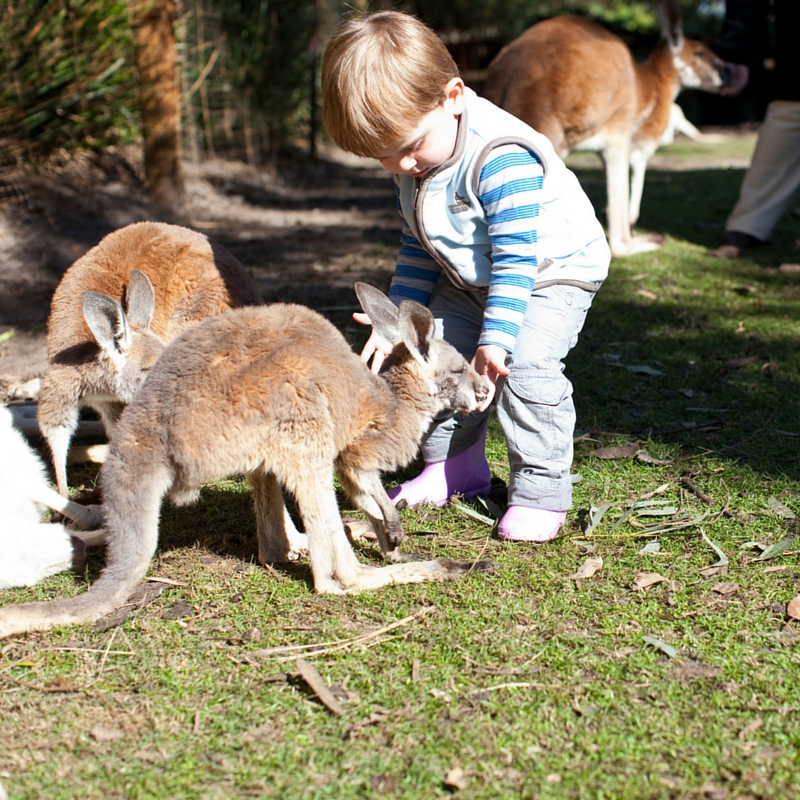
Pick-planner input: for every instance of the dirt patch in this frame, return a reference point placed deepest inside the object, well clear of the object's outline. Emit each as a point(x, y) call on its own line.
point(305, 229)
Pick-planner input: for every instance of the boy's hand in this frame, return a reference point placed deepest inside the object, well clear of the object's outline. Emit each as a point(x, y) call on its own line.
point(490, 362)
point(376, 348)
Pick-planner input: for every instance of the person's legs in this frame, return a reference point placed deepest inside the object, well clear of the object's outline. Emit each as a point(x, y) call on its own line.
point(453, 450)
point(536, 412)
point(773, 176)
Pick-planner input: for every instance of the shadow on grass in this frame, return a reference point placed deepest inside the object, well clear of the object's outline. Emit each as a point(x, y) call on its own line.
point(687, 371)
point(689, 205)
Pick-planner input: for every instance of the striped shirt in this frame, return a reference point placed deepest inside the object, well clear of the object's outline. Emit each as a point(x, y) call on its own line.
point(509, 190)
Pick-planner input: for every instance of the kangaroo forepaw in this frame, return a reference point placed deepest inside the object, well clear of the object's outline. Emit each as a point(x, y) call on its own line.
point(458, 569)
point(396, 557)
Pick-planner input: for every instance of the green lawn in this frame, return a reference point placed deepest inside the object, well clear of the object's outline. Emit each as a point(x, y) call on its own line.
point(524, 683)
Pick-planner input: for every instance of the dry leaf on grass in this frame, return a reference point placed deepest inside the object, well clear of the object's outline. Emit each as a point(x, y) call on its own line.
point(751, 727)
point(709, 572)
point(654, 641)
point(102, 733)
point(316, 683)
point(650, 547)
point(644, 580)
point(383, 784)
point(780, 509)
point(617, 451)
point(587, 569)
point(726, 588)
point(456, 779)
point(793, 608)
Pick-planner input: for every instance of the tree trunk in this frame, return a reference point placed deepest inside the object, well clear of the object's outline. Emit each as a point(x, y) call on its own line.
point(159, 97)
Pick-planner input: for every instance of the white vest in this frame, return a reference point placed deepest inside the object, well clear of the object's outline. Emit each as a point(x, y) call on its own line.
point(444, 212)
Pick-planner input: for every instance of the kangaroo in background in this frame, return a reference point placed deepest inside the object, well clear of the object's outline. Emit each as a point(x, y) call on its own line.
point(113, 312)
point(276, 393)
point(30, 549)
point(578, 84)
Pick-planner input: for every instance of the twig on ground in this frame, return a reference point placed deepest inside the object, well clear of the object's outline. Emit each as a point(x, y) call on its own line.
point(696, 491)
point(56, 689)
point(523, 685)
point(323, 648)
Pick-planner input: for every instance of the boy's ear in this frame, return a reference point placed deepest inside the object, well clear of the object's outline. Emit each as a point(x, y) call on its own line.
point(455, 95)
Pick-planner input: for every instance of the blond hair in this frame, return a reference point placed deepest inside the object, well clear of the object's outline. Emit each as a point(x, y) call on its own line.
point(381, 75)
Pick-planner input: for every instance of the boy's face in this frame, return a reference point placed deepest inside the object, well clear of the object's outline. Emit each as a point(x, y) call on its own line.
point(432, 141)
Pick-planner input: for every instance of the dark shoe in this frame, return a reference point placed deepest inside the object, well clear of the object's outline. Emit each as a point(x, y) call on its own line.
point(734, 244)
point(741, 240)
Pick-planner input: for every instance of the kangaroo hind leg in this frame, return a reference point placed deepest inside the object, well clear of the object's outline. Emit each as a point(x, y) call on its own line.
point(278, 538)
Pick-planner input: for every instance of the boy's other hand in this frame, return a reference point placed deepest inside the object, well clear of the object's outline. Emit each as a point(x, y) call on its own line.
point(376, 348)
point(490, 362)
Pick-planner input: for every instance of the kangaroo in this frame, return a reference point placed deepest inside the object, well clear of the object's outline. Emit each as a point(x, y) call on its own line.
point(168, 278)
point(276, 393)
point(30, 549)
point(578, 84)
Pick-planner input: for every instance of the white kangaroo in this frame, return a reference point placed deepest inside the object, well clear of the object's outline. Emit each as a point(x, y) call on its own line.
point(578, 84)
point(276, 393)
point(30, 549)
point(167, 278)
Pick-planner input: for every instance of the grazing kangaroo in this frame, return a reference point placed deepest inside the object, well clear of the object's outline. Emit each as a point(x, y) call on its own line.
point(276, 393)
point(167, 278)
point(578, 84)
point(30, 549)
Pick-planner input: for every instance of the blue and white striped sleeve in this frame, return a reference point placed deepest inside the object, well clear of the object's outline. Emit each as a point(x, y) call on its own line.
point(510, 186)
point(416, 271)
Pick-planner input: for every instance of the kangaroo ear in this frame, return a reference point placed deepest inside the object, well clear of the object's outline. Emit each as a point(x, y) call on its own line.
point(670, 20)
point(381, 311)
point(107, 322)
point(417, 329)
point(140, 300)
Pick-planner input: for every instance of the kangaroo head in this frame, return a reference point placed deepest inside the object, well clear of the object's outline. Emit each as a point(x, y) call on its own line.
point(696, 65)
point(411, 330)
point(128, 347)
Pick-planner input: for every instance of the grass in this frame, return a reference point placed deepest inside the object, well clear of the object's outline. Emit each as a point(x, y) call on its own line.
point(525, 683)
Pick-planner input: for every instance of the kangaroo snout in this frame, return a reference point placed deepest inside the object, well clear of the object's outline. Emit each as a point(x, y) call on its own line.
point(726, 75)
point(475, 392)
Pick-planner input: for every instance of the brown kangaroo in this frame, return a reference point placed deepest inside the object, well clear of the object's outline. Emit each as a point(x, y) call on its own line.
point(578, 84)
point(167, 278)
point(276, 393)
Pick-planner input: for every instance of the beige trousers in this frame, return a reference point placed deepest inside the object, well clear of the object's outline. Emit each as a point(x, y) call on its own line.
point(774, 174)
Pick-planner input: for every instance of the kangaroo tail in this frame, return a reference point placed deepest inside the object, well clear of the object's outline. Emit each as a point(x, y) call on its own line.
point(132, 504)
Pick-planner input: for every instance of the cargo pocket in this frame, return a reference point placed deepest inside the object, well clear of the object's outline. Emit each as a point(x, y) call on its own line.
point(545, 387)
point(537, 416)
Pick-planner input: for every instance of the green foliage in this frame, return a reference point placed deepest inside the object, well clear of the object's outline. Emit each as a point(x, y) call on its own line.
point(267, 42)
point(67, 74)
point(510, 17)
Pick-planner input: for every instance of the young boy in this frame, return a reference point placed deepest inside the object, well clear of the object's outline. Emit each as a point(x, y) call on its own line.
point(500, 242)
